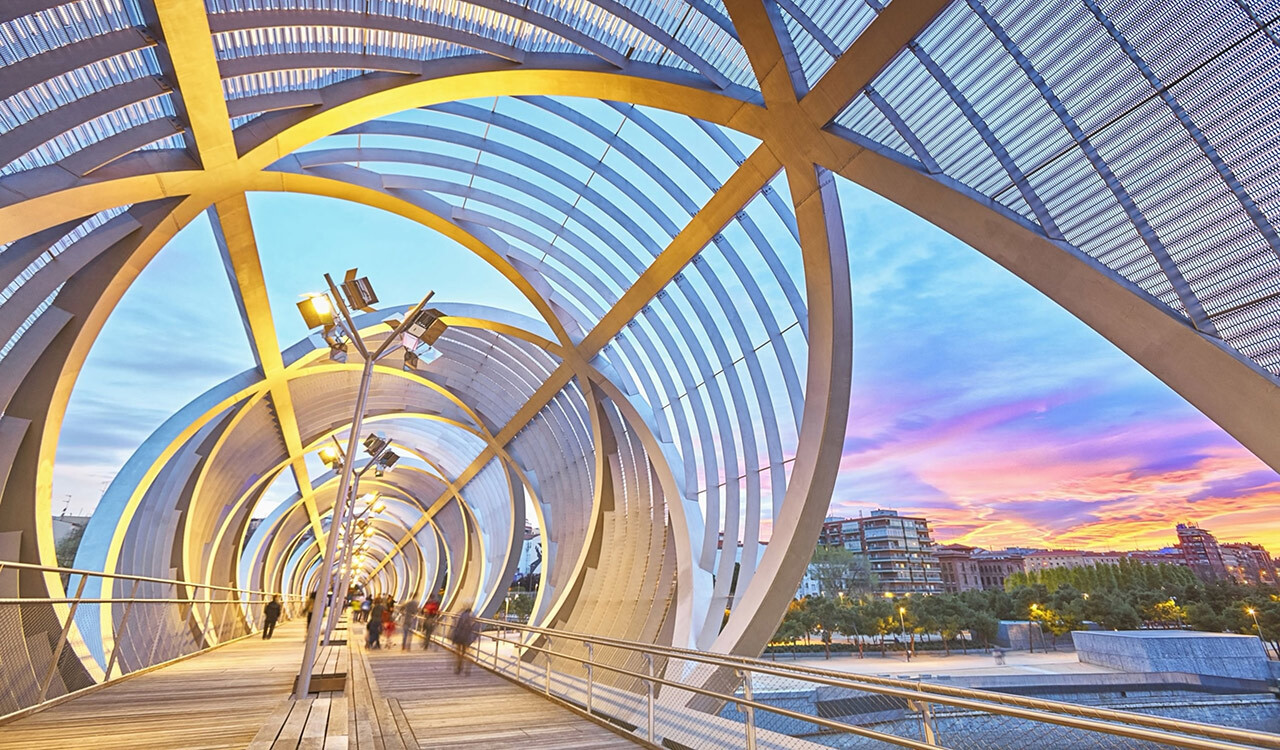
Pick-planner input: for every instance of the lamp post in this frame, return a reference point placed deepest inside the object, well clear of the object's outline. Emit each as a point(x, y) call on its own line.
point(902, 614)
point(1254, 614)
point(383, 458)
point(317, 311)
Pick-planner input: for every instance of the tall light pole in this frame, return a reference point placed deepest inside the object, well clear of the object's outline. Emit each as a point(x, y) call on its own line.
point(1254, 614)
point(382, 458)
point(317, 311)
point(902, 614)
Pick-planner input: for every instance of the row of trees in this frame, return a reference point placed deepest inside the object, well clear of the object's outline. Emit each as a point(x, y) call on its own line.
point(880, 619)
point(1127, 575)
point(1132, 596)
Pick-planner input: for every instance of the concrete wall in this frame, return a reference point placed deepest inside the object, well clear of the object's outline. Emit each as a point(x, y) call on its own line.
point(1217, 654)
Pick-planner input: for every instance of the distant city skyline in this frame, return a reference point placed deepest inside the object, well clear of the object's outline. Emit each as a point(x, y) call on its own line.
point(976, 401)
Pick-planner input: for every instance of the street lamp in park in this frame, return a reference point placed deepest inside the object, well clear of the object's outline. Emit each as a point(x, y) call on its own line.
point(901, 620)
point(339, 331)
point(1254, 614)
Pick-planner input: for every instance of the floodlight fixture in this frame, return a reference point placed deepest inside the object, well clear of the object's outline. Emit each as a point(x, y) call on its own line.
point(317, 310)
point(378, 506)
point(388, 459)
point(338, 351)
point(329, 454)
point(358, 291)
point(427, 325)
point(375, 444)
point(411, 361)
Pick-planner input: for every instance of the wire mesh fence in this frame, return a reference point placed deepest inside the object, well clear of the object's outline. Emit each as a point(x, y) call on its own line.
point(688, 699)
point(107, 626)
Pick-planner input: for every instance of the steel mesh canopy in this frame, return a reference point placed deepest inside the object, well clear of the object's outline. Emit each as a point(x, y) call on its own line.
point(658, 180)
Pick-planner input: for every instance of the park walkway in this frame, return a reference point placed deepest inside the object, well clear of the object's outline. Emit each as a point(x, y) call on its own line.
point(235, 696)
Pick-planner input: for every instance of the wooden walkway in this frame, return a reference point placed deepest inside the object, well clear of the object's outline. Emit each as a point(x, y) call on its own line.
point(478, 709)
point(216, 700)
point(238, 697)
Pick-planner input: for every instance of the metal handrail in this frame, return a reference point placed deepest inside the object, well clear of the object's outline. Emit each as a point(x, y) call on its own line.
point(124, 600)
point(126, 576)
point(861, 682)
point(237, 599)
point(1120, 723)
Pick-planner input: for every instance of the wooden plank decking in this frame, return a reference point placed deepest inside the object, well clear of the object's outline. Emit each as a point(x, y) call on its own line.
point(217, 700)
point(238, 697)
point(477, 708)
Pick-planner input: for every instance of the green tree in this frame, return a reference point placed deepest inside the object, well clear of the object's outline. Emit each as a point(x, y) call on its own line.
point(1167, 612)
point(519, 605)
point(1201, 616)
point(841, 571)
point(984, 626)
point(796, 623)
point(852, 621)
point(1111, 611)
point(826, 616)
point(67, 548)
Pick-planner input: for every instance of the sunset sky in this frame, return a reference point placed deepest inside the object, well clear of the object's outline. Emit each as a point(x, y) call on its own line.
point(976, 402)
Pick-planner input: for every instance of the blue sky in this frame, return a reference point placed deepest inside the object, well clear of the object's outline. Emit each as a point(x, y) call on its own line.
point(976, 402)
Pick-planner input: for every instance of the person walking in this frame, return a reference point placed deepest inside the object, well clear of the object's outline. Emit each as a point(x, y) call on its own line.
point(311, 604)
point(270, 614)
point(389, 616)
point(365, 606)
point(430, 616)
point(464, 634)
point(373, 628)
point(408, 619)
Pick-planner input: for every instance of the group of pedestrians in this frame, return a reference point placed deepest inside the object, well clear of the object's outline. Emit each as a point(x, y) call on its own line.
point(381, 617)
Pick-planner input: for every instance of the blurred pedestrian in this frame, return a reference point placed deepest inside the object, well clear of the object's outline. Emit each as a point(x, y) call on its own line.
point(430, 617)
point(365, 606)
point(408, 618)
point(270, 614)
point(388, 616)
point(373, 628)
point(464, 634)
point(311, 604)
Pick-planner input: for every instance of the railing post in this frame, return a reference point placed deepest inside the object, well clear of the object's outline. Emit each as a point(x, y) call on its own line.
point(124, 625)
point(519, 656)
point(222, 621)
point(547, 654)
point(648, 660)
point(202, 621)
point(591, 656)
point(749, 711)
point(496, 641)
point(62, 640)
point(926, 721)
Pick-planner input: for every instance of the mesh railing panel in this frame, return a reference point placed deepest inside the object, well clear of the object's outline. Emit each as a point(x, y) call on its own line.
point(108, 627)
point(697, 700)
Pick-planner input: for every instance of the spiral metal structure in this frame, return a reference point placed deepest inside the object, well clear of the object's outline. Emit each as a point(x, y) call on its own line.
point(658, 178)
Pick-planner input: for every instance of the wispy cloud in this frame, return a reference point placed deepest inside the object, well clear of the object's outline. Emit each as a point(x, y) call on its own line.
point(1004, 420)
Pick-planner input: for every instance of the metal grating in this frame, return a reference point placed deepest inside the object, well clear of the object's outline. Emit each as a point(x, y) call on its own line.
point(1158, 142)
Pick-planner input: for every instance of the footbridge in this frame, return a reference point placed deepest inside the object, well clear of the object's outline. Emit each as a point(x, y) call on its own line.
point(664, 184)
point(527, 687)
